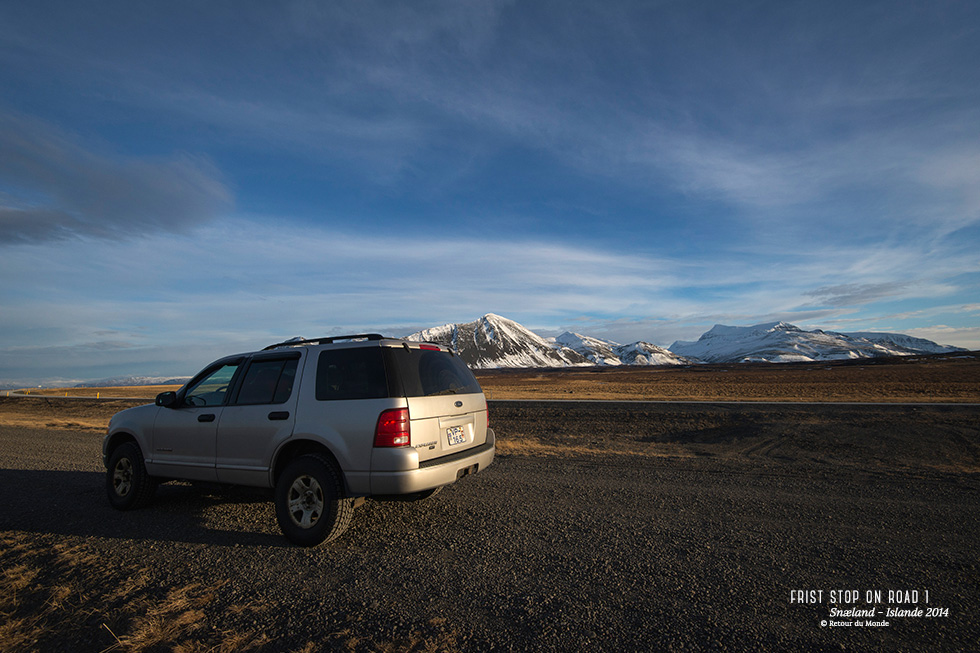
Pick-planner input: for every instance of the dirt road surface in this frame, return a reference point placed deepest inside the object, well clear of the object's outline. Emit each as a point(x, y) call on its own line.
point(600, 527)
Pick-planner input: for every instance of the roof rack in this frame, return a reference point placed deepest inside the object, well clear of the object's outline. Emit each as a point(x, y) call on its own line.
point(324, 341)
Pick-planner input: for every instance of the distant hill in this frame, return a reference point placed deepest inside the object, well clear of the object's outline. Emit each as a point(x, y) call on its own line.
point(606, 352)
point(780, 342)
point(120, 381)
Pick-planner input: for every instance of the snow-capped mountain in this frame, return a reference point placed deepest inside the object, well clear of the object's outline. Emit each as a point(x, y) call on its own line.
point(779, 342)
point(599, 352)
point(899, 341)
point(494, 341)
point(643, 353)
point(606, 352)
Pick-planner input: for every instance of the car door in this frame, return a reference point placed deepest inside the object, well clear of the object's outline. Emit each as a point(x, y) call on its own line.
point(258, 418)
point(185, 436)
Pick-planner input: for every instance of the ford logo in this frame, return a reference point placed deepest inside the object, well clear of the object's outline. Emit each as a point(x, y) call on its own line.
point(459, 404)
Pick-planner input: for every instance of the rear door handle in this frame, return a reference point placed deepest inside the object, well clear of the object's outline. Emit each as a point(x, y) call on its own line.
point(279, 415)
point(206, 417)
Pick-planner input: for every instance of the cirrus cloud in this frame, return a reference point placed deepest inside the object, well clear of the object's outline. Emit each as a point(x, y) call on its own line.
point(52, 187)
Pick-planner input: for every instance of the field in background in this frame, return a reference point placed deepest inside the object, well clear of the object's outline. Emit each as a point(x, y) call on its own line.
point(947, 378)
point(126, 391)
point(937, 379)
point(914, 379)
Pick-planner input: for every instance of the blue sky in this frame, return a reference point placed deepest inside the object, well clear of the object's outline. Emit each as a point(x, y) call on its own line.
point(183, 180)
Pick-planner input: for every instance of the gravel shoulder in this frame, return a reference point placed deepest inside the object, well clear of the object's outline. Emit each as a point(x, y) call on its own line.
point(615, 527)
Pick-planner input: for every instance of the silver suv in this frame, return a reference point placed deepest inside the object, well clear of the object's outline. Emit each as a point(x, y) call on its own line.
point(325, 422)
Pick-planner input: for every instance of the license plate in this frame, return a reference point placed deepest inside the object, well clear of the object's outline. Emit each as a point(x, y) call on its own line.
point(456, 435)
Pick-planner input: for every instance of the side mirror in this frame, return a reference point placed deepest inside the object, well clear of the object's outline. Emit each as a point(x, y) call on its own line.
point(167, 399)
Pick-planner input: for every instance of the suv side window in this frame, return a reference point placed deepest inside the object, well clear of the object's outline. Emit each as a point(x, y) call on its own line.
point(357, 373)
point(268, 381)
point(212, 388)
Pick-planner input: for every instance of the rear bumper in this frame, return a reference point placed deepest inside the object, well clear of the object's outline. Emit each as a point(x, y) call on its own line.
point(435, 473)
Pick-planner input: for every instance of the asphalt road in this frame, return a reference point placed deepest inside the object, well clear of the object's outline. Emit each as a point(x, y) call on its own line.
point(598, 552)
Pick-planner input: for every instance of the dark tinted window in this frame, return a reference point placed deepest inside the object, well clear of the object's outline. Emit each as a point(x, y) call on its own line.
point(424, 373)
point(357, 373)
point(268, 381)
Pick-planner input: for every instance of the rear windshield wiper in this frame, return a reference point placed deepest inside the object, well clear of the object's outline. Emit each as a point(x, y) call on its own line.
point(447, 391)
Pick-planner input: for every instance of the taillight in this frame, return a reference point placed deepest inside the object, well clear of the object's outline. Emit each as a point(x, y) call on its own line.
point(487, 404)
point(393, 429)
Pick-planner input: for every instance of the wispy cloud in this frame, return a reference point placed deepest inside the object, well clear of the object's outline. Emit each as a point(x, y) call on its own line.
point(56, 188)
point(167, 301)
point(850, 294)
point(968, 337)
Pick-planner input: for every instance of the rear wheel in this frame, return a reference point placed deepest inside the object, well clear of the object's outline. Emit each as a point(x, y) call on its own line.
point(127, 484)
point(311, 506)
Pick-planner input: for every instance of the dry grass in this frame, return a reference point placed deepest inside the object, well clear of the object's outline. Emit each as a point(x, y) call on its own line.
point(952, 379)
point(65, 596)
point(948, 378)
point(126, 392)
point(914, 379)
point(60, 413)
point(520, 444)
point(434, 636)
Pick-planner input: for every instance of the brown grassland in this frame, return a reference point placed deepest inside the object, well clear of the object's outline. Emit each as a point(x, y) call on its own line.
point(63, 588)
point(54, 590)
point(914, 379)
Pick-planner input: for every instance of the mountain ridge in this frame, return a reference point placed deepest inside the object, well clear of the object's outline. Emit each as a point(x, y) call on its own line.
point(497, 342)
point(781, 342)
point(493, 341)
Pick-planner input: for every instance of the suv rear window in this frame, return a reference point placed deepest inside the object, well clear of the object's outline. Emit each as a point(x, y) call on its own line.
point(426, 373)
point(360, 373)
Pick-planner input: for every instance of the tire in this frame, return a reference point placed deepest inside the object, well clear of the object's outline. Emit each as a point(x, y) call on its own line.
point(311, 503)
point(127, 484)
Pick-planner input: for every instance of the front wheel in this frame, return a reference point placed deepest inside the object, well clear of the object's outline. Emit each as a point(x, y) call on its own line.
point(311, 506)
point(127, 484)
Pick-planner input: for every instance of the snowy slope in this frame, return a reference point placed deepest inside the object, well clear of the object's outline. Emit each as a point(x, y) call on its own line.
point(606, 352)
point(644, 353)
point(600, 352)
point(494, 341)
point(779, 342)
point(899, 341)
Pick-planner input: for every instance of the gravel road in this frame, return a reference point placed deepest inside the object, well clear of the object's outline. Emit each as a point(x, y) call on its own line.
point(619, 551)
